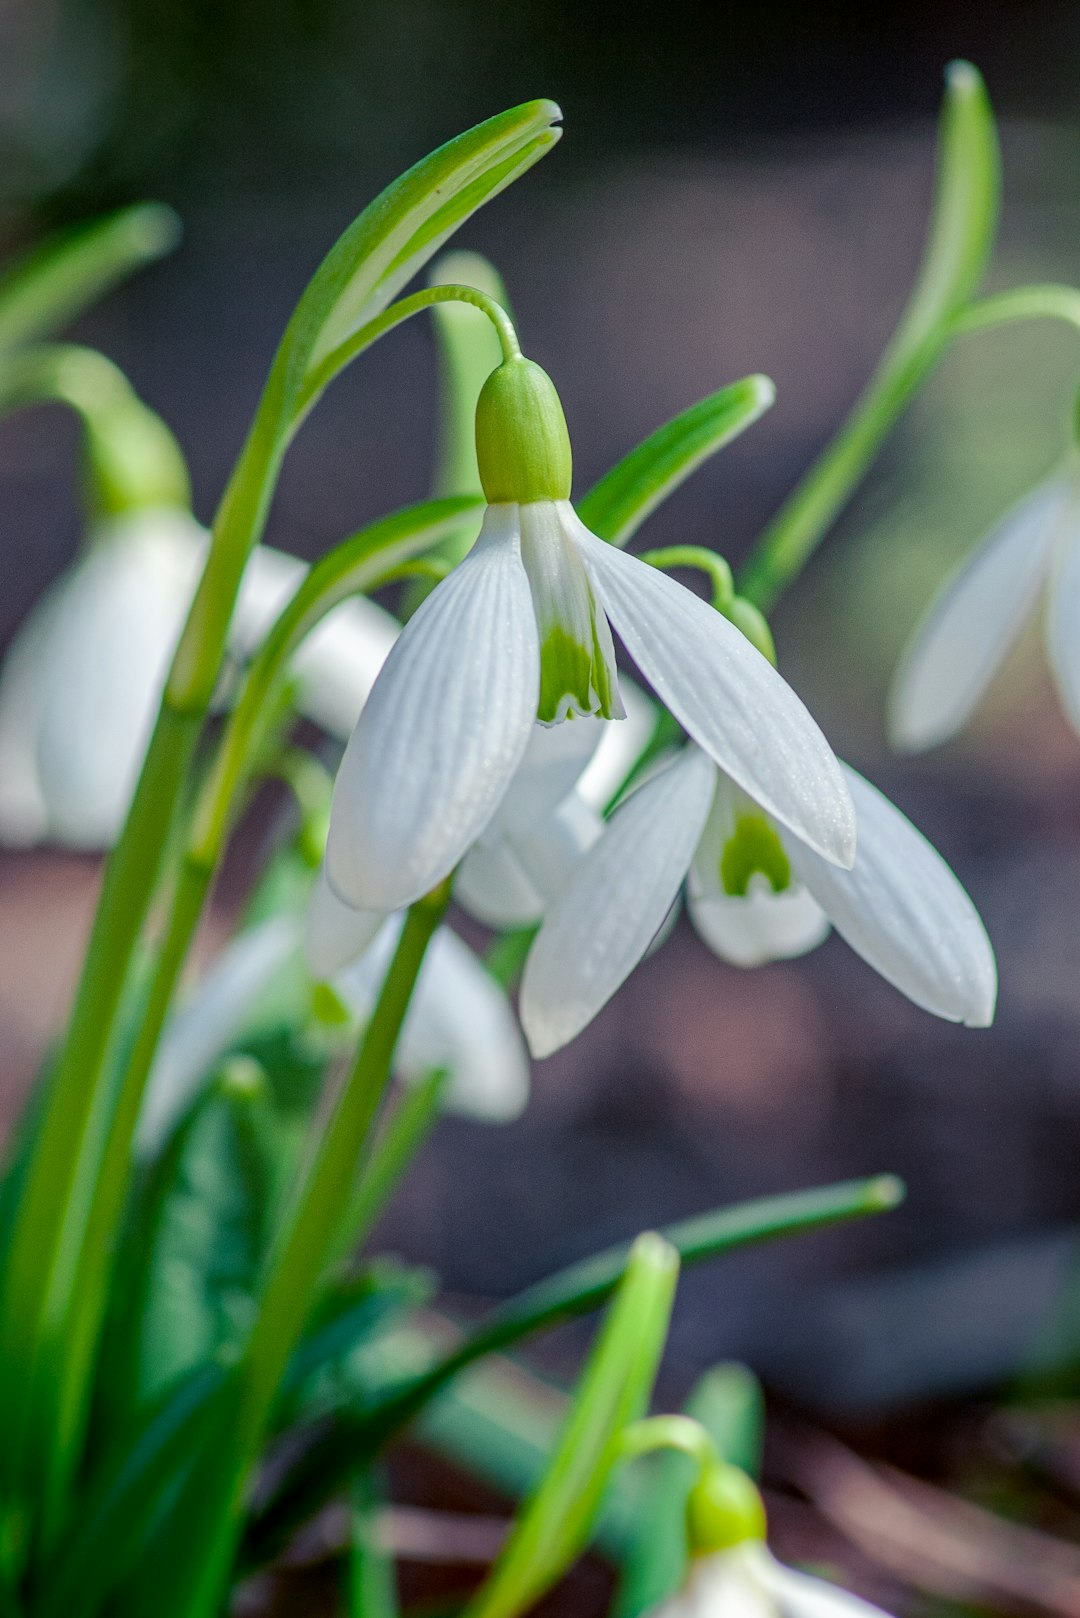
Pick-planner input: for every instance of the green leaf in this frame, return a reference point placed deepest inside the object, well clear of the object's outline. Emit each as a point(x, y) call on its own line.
point(203, 1236)
point(404, 227)
point(728, 1404)
point(617, 506)
point(127, 1499)
point(56, 281)
point(358, 1433)
point(556, 1524)
point(370, 1586)
point(965, 212)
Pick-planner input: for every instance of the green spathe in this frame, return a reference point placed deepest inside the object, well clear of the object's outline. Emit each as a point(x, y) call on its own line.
point(754, 846)
point(723, 1509)
point(522, 445)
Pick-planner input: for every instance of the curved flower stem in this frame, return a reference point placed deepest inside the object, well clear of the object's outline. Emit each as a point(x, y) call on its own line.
point(1048, 301)
point(708, 562)
point(680, 1433)
point(404, 309)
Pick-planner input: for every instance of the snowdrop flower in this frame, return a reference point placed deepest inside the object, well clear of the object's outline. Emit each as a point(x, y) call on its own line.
point(459, 1019)
point(746, 1581)
point(756, 893)
point(551, 814)
point(975, 620)
point(732, 1572)
point(83, 678)
point(521, 631)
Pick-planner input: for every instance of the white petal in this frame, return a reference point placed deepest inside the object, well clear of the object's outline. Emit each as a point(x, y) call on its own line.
point(337, 665)
point(902, 909)
point(459, 1019)
point(622, 743)
point(971, 624)
point(493, 885)
point(1063, 629)
point(114, 626)
point(510, 883)
point(729, 698)
point(255, 966)
point(442, 732)
point(798, 1595)
point(617, 899)
point(336, 933)
point(762, 926)
point(552, 764)
point(24, 814)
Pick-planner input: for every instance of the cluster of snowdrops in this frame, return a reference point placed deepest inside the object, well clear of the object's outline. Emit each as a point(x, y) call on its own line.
point(178, 1394)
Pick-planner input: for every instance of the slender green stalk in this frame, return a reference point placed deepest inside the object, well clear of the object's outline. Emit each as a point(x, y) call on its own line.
point(958, 247)
point(708, 562)
point(392, 1153)
point(680, 1433)
point(1049, 301)
point(293, 1272)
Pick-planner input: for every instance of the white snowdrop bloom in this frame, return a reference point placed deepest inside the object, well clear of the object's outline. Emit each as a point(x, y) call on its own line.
point(520, 631)
point(81, 684)
point(551, 813)
point(459, 1019)
point(756, 893)
point(747, 1581)
point(976, 618)
point(83, 678)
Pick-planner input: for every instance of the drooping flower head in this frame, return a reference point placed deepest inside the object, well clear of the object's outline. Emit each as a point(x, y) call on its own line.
point(520, 632)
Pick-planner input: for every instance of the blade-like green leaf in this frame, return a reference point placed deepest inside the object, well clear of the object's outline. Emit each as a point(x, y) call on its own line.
point(617, 506)
point(728, 1404)
point(54, 282)
point(337, 1452)
point(556, 1524)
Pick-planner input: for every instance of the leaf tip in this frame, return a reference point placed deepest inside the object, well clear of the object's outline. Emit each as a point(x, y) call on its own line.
point(884, 1192)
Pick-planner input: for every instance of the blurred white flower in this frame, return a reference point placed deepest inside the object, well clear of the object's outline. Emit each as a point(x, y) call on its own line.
point(83, 677)
point(976, 618)
point(746, 1581)
point(453, 711)
point(755, 894)
point(459, 1019)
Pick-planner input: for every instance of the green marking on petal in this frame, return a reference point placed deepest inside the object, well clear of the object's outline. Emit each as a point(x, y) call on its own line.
point(754, 846)
point(575, 680)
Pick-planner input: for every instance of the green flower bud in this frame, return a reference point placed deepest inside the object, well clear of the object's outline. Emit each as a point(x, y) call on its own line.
point(724, 1509)
point(522, 445)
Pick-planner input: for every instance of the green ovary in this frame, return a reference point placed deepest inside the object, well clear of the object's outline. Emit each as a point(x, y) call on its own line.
point(574, 680)
point(754, 846)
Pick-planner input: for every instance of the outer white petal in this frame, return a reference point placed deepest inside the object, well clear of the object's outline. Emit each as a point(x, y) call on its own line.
point(511, 882)
point(1063, 628)
point(552, 764)
point(214, 1018)
point(338, 664)
point(729, 698)
point(762, 926)
point(114, 625)
point(459, 1019)
point(443, 731)
point(970, 626)
point(798, 1595)
point(617, 899)
point(494, 886)
point(902, 909)
point(336, 933)
point(622, 743)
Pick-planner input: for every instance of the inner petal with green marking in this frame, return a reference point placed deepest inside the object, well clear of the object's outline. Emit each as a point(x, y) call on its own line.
point(753, 847)
point(578, 675)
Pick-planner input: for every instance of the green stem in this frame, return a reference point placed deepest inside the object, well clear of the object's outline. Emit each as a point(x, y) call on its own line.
point(1050, 301)
point(404, 309)
point(958, 247)
point(680, 1433)
point(294, 1269)
point(706, 561)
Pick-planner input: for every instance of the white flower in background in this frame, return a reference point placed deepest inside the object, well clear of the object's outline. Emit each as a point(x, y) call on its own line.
point(746, 1581)
point(552, 813)
point(975, 620)
point(519, 631)
point(459, 1019)
point(755, 894)
point(83, 678)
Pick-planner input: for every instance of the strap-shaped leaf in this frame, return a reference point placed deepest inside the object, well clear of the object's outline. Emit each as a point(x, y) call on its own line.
point(617, 506)
point(405, 226)
point(55, 281)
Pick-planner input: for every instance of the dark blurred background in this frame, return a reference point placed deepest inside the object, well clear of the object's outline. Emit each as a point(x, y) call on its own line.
point(737, 189)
